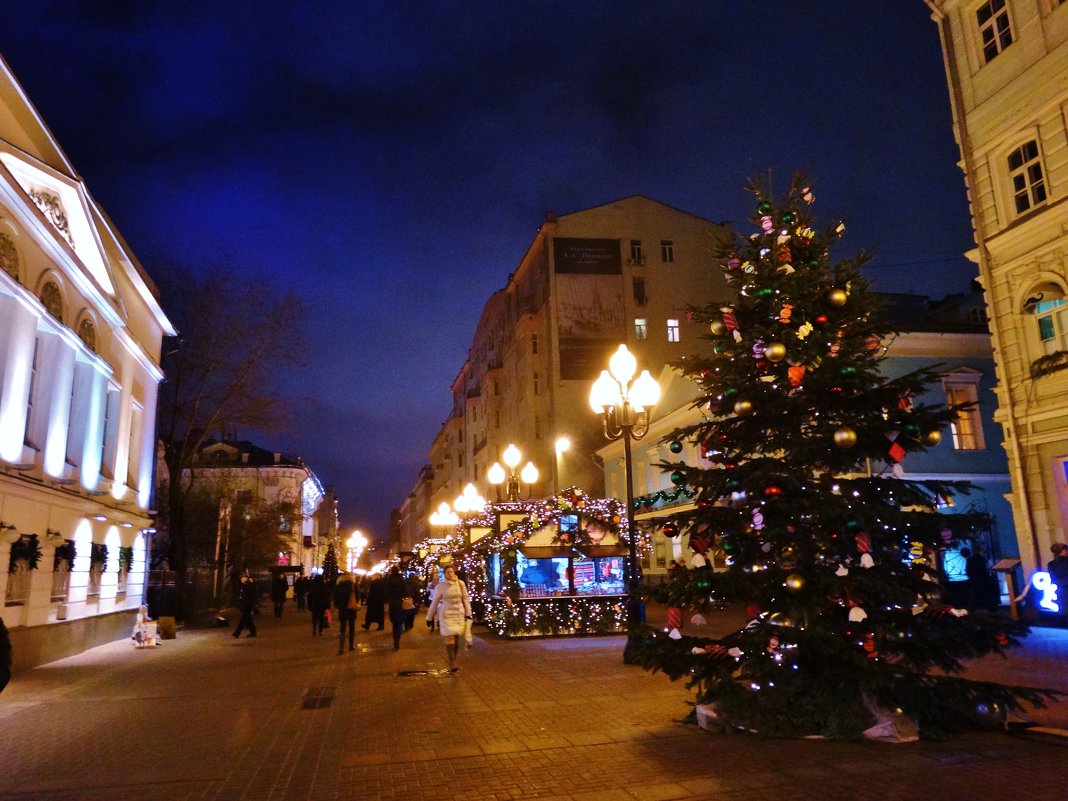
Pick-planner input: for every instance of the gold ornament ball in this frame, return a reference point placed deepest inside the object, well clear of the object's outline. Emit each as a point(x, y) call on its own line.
point(775, 352)
point(932, 437)
point(837, 297)
point(845, 437)
point(795, 582)
point(743, 407)
point(717, 328)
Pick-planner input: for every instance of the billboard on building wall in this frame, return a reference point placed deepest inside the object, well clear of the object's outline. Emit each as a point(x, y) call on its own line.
point(587, 256)
point(589, 308)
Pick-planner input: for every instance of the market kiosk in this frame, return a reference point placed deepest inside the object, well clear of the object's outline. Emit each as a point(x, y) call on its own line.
point(552, 567)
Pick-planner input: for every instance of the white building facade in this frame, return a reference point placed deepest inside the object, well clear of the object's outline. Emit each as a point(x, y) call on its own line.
point(1007, 69)
point(80, 336)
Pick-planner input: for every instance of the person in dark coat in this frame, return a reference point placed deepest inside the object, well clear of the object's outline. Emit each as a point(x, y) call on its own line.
point(347, 602)
point(279, 588)
point(415, 592)
point(300, 592)
point(247, 600)
point(5, 656)
point(318, 601)
point(397, 596)
point(376, 604)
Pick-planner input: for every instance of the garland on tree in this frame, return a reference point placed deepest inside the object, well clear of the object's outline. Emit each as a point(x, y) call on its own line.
point(833, 562)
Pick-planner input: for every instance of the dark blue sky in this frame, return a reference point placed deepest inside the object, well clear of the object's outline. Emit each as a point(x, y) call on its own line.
point(392, 161)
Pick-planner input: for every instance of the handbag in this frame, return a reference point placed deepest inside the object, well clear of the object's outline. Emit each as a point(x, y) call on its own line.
point(407, 604)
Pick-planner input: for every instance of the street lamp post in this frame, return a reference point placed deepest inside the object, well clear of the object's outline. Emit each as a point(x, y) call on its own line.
point(528, 475)
point(355, 545)
point(624, 405)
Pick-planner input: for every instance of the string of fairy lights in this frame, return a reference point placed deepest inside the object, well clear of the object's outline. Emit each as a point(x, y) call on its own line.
point(507, 614)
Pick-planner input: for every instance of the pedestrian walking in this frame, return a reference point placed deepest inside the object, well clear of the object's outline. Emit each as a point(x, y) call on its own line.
point(375, 614)
point(347, 604)
point(415, 592)
point(400, 602)
point(318, 602)
point(279, 588)
point(5, 656)
point(247, 600)
point(300, 592)
point(451, 609)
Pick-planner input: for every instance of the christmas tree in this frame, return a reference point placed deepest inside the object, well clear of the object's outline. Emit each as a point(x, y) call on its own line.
point(330, 568)
point(829, 547)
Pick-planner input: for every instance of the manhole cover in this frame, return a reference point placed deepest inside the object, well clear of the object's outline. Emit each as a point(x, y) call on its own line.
point(318, 697)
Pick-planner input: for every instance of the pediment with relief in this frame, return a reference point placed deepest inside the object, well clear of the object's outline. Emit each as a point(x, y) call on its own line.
point(61, 204)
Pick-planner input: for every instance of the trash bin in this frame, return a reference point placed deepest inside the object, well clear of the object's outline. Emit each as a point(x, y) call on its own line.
point(167, 629)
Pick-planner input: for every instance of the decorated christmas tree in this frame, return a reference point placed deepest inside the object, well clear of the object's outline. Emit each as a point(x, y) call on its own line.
point(330, 568)
point(828, 545)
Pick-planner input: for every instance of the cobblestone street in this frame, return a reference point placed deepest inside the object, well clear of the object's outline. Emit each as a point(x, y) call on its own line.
point(283, 716)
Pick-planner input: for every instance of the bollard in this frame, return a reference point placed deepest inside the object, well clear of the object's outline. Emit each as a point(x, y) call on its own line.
point(167, 630)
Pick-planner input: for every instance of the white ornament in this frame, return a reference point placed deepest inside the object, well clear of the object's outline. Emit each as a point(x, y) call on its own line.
point(856, 614)
point(735, 652)
point(958, 612)
point(842, 571)
point(698, 560)
point(674, 634)
point(698, 619)
point(866, 560)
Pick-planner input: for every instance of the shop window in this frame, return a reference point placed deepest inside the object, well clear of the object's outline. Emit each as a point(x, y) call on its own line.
point(1025, 174)
point(995, 29)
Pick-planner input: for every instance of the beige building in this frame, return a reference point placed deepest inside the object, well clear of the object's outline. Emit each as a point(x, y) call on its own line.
point(1007, 68)
point(80, 335)
point(238, 471)
point(624, 272)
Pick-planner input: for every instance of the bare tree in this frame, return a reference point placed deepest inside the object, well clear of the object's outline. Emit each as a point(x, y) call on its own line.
point(236, 337)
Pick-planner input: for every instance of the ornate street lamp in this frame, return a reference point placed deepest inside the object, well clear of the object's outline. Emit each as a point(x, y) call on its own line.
point(444, 518)
point(355, 545)
point(624, 406)
point(497, 476)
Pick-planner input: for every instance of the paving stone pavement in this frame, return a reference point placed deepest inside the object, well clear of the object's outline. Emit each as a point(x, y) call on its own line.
point(282, 716)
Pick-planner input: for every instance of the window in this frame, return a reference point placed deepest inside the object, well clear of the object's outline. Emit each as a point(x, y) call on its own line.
point(636, 255)
point(667, 250)
point(1052, 319)
point(110, 432)
point(35, 365)
point(9, 257)
point(133, 458)
point(639, 291)
point(673, 330)
point(1025, 173)
point(87, 334)
point(534, 344)
point(994, 28)
point(537, 385)
point(641, 329)
point(967, 428)
point(497, 418)
point(537, 428)
point(52, 299)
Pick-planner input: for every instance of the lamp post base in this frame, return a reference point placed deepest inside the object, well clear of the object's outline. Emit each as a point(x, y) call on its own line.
point(635, 616)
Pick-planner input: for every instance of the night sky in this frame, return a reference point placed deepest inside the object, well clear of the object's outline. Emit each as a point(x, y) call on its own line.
point(393, 161)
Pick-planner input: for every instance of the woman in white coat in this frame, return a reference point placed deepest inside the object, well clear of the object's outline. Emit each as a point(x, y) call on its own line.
point(450, 605)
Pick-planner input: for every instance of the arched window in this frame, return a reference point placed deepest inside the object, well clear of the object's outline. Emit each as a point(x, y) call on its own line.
point(1050, 309)
point(87, 334)
point(9, 257)
point(52, 299)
